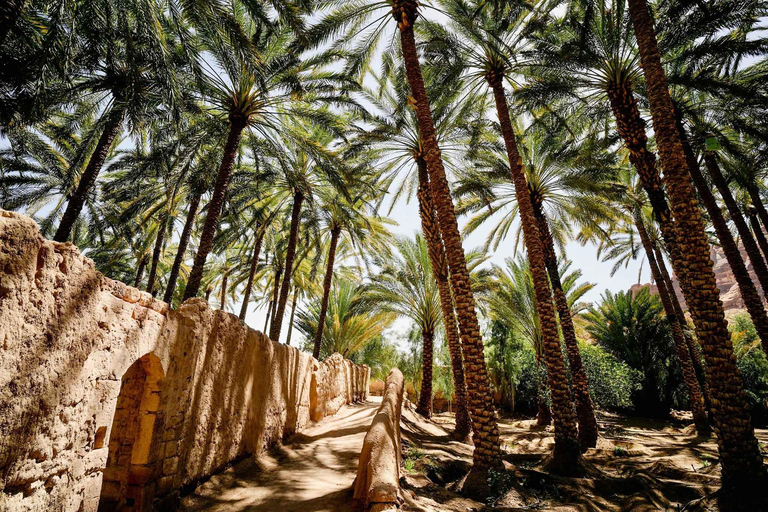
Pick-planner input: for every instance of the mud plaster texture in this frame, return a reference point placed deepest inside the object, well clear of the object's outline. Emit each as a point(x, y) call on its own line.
point(377, 485)
point(102, 384)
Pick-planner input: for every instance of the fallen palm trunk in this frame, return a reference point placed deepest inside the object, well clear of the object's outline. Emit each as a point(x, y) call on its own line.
point(377, 485)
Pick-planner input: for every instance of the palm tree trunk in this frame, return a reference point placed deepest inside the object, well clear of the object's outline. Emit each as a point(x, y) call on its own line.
point(269, 315)
point(223, 295)
point(252, 272)
point(431, 229)
point(746, 286)
point(335, 233)
point(90, 174)
point(487, 453)
point(186, 233)
point(585, 413)
point(156, 254)
point(566, 454)
point(208, 292)
point(140, 270)
point(742, 465)
point(631, 128)
point(695, 395)
point(275, 292)
point(693, 347)
point(277, 322)
point(293, 314)
point(749, 242)
point(759, 234)
point(215, 206)
point(425, 396)
point(543, 414)
point(757, 204)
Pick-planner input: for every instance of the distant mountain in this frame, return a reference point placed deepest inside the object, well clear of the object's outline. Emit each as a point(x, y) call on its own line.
point(726, 282)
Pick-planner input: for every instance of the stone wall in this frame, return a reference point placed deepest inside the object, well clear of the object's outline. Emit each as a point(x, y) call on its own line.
point(107, 394)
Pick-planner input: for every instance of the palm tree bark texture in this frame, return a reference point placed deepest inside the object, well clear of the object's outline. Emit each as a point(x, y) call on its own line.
point(631, 128)
point(293, 315)
point(140, 270)
point(236, 126)
point(90, 174)
point(252, 271)
point(757, 204)
point(758, 231)
point(424, 406)
point(431, 229)
point(156, 255)
point(585, 413)
point(742, 463)
point(186, 233)
point(487, 453)
point(695, 396)
point(335, 234)
point(290, 255)
point(693, 346)
point(749, 242)
point(566, 454)
point(747, 287)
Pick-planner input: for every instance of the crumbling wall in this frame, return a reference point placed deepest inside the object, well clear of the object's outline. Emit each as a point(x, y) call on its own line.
point(218, 390)
point(377, 485)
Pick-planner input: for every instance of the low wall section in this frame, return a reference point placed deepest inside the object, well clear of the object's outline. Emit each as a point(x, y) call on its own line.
point(107, 395)
point(377, 485)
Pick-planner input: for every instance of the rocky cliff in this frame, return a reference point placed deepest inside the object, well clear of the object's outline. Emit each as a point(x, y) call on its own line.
point(726, 282)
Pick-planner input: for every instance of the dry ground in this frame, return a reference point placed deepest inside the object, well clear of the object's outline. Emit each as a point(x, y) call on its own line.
point(640, 465)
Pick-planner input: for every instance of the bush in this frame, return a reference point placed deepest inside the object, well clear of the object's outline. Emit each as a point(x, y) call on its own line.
point(611, 382)
point(753, 366)
point(633, 328)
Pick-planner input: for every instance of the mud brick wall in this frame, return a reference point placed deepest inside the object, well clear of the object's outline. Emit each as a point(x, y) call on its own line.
point(107, 395)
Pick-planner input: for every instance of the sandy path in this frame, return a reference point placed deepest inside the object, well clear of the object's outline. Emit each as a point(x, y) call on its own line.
point(313, 471)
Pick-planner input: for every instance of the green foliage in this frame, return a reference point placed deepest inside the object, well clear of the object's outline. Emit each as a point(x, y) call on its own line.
point(618, 451)
point(349, 325)
point(380, 354)
point(753, 366)
point(611, 382)
point(633, 328)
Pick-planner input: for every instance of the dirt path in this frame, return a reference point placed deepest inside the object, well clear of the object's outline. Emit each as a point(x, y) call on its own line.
point(313, 471)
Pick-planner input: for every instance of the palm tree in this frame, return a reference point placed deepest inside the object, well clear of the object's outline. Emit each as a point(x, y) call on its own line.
point(487, 451)
point(128, 62)
point(512, 302)
point(628, 195)
point(743, 471)
point(570, 195)
point(397, 144)
point(341, 216)
point(748, 290)
point(406, 286)
point(258, 100)
point(350, 324)
point(490, 42)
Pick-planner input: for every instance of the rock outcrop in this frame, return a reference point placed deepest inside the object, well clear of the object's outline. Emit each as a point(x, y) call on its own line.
point(107, 394)
point(377, 485)
point(726, 282)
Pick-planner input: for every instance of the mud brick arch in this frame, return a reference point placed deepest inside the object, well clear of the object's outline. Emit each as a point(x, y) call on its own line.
point(133, 465)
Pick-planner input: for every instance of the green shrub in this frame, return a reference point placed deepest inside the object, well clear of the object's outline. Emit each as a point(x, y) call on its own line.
point(752, 364)
point(633, 328)
point(611, 382)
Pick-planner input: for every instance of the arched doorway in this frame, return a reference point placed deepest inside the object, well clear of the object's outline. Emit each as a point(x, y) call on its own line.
point(132, 470)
